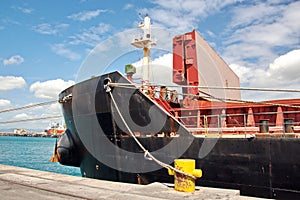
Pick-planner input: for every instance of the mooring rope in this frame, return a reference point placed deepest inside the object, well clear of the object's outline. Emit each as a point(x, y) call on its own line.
point(213, 87)
point(30, 119)
point(131, 86)
point(146, 152)
point(28, 106)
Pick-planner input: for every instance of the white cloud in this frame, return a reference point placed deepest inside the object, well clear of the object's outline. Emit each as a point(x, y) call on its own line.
point(128, 6)
point(49, 89)
point(161, 69)
point(86, 15)
point(91, 36)
point(282, 73)
point(184, 15)
point(4, 103)
point(211, 34)
point(258, 12)
point(259, 31)
point(244, 73)
point(60, 49)
point(10, 21)
point(26, 10)
point(11, 82)
point(21, 116)
point(54, 109)
point(47, 110)
point(35, 112)
point(286, 67)
point(14, 60)
point(48, 29)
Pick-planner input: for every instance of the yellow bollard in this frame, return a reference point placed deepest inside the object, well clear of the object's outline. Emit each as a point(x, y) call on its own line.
point(182, 182)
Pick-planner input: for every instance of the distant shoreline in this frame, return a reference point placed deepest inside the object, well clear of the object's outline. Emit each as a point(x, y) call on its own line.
point(34, 134)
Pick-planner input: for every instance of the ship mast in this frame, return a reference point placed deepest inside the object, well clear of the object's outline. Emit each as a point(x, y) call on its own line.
point(145, 42)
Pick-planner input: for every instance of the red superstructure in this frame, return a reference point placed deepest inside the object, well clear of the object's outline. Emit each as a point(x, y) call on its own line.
point(195, 63)
point(208, 110)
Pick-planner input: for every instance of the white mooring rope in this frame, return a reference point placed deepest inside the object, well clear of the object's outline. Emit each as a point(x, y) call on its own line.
point(134, 87)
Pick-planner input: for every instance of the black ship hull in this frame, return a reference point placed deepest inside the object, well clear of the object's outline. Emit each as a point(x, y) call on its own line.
point(259, 167)
point(263, 167)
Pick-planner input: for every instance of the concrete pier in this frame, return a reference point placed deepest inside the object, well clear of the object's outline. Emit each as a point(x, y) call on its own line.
point(21, 183)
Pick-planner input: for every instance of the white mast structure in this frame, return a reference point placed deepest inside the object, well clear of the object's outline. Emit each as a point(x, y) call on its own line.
point(146, 43)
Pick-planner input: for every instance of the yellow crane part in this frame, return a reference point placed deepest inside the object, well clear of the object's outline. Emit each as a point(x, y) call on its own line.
point(183, 182)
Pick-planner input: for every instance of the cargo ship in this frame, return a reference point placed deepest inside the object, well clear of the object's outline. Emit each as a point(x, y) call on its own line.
point(114, 125)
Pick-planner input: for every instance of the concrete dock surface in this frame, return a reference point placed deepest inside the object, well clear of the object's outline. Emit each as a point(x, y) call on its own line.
point(21, 183)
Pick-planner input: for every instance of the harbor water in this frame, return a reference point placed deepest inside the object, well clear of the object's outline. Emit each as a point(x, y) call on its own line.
point(33, 153)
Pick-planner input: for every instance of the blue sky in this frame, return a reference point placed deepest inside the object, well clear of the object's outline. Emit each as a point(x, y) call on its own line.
point(44, 43)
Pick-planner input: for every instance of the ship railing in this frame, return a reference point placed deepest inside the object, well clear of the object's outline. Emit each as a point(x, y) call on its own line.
point(232, 123)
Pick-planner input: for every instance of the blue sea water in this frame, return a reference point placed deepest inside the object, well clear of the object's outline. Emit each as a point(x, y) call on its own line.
point(33, 153)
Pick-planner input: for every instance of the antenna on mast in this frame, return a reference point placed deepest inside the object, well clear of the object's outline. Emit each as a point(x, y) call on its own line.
point(145, 42)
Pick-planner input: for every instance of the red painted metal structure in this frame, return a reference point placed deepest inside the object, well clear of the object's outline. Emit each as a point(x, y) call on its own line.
point(200, 112)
